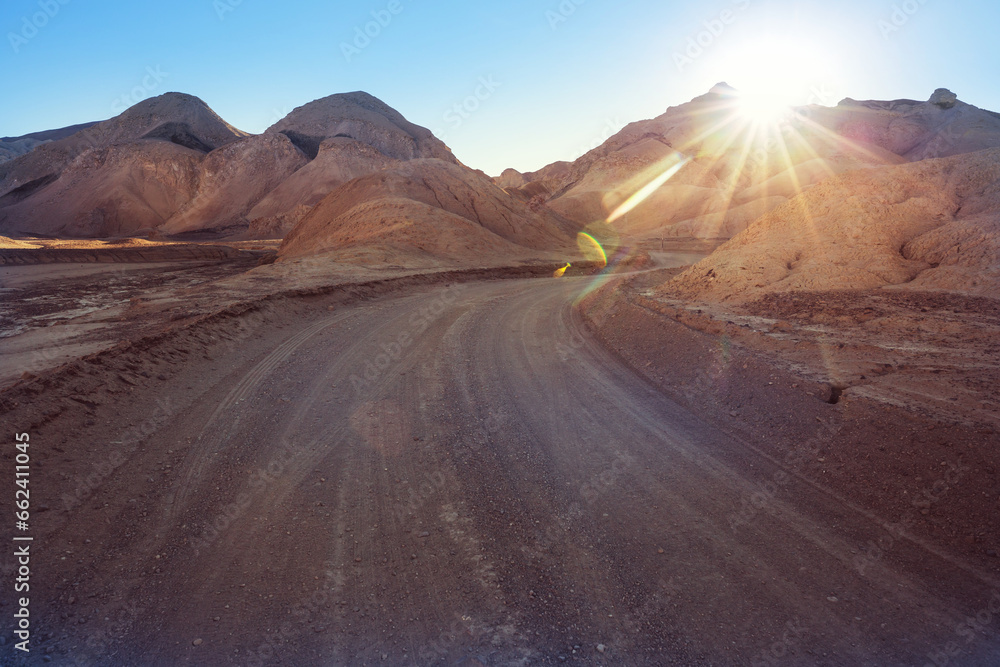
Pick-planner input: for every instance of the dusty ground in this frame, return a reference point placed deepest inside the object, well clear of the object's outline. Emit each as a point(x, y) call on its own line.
point(929, 226)
point(64, 299)
point(67, 299)
point(901, 384)
point(934, 353)
point(457, 470)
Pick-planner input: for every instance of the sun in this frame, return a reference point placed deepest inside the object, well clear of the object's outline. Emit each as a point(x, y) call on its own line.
point(773, 75)
point(765, 106)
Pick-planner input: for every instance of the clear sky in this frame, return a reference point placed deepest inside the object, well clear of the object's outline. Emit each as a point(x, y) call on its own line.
point(534, 81)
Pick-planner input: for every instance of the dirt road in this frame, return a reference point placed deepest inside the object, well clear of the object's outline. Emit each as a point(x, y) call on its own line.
point(456, 475)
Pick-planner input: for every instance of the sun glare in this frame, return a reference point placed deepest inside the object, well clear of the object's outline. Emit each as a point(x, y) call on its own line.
point(774, 75)
point(673, 165)
point(764, 106)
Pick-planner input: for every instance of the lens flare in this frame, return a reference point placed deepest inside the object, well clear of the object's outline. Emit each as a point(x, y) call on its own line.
point(647, 191)
point(592, 249)
point(561, 272)
point(764, 107)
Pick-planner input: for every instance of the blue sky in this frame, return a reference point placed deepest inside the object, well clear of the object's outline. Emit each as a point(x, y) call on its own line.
point(534, 82)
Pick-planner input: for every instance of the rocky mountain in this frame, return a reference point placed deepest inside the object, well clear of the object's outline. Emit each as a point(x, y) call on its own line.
point(345, 136)
point(348, 170)
point(733, 171)
point(171, 165)
point(929, 225)
point(339, 160)
point(118, 190)
point(51, 135)
point(120, 176)
point(180, 119)
point(427, 210)
point(262, 186)
point(941, 127)
point(363, 118)
point(231, 180)
point(12, 147)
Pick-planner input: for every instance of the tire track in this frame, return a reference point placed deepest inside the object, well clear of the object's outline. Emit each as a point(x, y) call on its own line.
point(212, 438)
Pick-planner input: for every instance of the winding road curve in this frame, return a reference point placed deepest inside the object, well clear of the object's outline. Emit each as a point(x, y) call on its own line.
point(461, 475)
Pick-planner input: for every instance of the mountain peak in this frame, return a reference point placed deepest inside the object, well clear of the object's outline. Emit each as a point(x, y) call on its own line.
point(361, 99)
point(362, 117)
point(943, 98)
point(722, 88)
point(325, 113)
point(178, 117)
point(171, 105)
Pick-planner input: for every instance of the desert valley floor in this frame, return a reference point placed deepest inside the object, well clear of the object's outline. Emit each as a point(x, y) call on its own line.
point(327, 395)
point(487, 467)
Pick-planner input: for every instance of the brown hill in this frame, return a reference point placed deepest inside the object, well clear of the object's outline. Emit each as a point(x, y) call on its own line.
point(201, 175)
point(173, 117)
point(427, 209)
point(735, 171)
point(941, 127)
point(262, 186)
point(106, 192)
point(545, 181)
point(232, 179)
point(127, 173)
point(346, 136)
point(339, 160)
point(363, 118)
point(930, 225)
point(52, 135)
point(511, 179)
point(12, 147)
